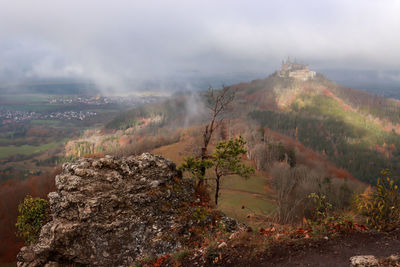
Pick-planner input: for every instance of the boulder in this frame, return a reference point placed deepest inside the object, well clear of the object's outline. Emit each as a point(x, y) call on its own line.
point(372, 261)
point(363, 261)
point(116, 211)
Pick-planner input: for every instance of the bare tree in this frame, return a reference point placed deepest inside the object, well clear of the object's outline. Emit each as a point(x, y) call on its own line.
point(218, 101)
point(287, 182)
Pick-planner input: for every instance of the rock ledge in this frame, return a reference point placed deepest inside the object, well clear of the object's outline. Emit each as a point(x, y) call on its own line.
point(115, 211)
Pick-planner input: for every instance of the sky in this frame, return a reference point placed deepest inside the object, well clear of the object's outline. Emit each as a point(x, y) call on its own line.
point(120, 44)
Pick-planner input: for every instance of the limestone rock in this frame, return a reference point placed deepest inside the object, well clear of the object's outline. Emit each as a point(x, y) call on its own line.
point(372, 261)
point(363, 261)
point(115, 211)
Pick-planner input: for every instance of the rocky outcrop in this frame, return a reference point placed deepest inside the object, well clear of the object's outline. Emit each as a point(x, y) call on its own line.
point(115, 211)
point(372, 261)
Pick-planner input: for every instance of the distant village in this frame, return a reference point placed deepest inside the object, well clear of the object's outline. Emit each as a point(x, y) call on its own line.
point(10, 116)
point(103, 100)
point(296, 70)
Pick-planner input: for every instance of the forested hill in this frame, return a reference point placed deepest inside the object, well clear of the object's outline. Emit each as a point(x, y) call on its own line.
point(355, 130)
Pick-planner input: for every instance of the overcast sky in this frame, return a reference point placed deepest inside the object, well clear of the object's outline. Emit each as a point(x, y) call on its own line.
point(118, 44)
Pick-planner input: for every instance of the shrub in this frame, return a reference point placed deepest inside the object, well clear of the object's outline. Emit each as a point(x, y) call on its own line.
point(34, 213)
point(290, 199)
point(325, 221)
point(382, 206)
point(294, 184)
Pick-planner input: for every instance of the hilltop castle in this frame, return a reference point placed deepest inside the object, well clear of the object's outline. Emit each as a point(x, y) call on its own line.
point(296, 70)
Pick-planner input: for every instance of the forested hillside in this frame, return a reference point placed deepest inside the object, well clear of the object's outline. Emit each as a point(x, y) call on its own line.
point(355, 130)
point(314, 135)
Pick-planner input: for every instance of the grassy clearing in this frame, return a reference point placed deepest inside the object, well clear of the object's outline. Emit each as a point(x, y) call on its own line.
point(231, 203)
point(253, 193)
point(255, 184)
point(172, 152)
point(6, 151)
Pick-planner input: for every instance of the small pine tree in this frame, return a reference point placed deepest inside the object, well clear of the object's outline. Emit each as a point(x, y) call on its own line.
point(195, 166)
point(227, 159)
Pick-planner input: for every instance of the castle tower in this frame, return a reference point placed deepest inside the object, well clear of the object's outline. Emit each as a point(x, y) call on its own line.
point(296, 70)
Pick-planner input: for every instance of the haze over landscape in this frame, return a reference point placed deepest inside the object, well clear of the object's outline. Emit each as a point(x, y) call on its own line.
point(123, 44)
point(199, 133)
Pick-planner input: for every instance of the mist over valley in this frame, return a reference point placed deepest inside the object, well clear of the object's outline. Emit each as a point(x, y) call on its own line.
point(266, 130)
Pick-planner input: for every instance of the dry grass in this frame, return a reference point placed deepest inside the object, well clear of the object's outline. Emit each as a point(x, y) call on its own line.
point(253, 194)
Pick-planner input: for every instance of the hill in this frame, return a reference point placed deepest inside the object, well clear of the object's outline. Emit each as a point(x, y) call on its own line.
point(330, 137)
point(328, 132)
point(337, 136)
point(354, 130)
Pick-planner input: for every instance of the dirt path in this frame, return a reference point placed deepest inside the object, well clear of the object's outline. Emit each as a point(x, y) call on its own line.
point(336, 252)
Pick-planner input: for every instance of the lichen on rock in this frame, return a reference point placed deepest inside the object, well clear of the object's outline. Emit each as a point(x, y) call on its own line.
point(115, 211)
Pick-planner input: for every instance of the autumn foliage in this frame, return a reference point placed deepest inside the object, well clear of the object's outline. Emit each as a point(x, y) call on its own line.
point(33, 214)
point(12, 193)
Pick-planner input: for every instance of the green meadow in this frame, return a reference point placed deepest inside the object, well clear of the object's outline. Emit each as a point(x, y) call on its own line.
point(6, 151)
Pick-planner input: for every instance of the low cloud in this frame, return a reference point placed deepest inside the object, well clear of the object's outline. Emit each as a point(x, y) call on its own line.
point(120, 45)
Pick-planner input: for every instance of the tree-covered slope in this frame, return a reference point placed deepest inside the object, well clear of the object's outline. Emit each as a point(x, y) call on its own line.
point(353, 129)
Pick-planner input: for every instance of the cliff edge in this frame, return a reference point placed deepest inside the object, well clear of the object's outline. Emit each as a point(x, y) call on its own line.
point(115, 211)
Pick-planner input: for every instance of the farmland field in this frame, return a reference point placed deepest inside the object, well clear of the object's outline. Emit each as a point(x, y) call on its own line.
point(6, 151)
point(34, 127)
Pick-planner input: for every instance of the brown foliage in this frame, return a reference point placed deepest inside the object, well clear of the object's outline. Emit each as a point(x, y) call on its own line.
point(308, 157)
point(124, 140)
point(40, 131)
point(11, 194)
point(94, 155)
point(147, 143)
